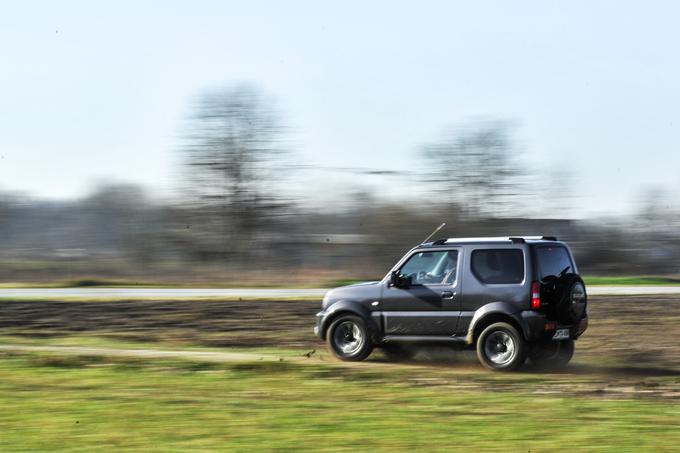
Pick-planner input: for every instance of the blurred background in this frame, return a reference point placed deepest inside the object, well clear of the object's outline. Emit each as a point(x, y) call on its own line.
point(263, 143)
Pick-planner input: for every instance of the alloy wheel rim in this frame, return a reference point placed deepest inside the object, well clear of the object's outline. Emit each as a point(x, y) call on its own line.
point(500, 347)
point(348, 337)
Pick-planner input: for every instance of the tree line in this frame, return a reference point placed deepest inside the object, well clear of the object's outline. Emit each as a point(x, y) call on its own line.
point(231, 210)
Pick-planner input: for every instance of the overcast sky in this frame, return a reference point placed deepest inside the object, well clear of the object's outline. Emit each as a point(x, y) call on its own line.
point(92, 91)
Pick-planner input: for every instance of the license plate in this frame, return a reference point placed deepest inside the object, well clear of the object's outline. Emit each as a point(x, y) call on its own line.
point(561, 334)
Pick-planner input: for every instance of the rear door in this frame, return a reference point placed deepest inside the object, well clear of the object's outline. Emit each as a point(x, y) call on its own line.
point(430, 306)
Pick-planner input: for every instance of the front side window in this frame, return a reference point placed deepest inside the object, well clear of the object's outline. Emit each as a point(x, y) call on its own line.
point(431, 267)
point(552, 261)
point(498, 266)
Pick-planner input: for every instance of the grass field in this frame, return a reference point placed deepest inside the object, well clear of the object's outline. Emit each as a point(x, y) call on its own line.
point(619, 395)
point(86, 403)
point(632, 281)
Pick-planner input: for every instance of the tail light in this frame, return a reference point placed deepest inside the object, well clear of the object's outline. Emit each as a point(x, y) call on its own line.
point(535, 295)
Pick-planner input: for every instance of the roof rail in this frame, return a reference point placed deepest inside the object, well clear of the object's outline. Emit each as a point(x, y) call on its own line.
point(512, 239)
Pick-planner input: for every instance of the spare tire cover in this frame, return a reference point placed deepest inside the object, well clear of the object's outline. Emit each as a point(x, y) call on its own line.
point(570, 292)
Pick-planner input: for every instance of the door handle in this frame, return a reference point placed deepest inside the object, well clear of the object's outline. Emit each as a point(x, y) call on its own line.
point(448, 294)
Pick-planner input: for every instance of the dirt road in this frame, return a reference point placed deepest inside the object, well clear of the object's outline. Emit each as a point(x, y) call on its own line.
point(638, 331)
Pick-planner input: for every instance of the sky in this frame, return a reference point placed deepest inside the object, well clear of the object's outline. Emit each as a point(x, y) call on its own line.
point(99, 91)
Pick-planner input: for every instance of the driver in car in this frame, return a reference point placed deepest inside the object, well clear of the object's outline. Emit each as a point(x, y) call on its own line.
point(443, 270)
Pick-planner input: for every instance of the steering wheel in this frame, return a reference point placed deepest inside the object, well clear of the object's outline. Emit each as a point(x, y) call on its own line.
point(424, 277)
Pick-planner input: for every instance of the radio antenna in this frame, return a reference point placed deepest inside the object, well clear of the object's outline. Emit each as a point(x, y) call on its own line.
point(434, 232)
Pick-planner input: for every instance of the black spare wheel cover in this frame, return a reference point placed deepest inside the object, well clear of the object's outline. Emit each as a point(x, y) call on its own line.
point(570, 298)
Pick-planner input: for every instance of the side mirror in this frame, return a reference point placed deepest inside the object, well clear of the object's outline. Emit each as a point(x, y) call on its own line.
point(394, 279)
point(399, 281)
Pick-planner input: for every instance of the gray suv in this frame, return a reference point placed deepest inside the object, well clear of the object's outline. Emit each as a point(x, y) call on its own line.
point(510, 298)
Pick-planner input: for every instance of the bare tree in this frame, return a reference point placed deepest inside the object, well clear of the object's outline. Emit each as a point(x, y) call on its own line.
point(232, 139)
point(475, 166)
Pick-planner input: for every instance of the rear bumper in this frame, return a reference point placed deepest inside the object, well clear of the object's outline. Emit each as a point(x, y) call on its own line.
point(538, 327)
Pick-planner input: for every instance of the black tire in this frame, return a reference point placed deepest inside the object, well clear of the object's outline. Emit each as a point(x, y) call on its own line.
point(500, 347)
point(349, 339)
point(397, 352)
point(552, 355)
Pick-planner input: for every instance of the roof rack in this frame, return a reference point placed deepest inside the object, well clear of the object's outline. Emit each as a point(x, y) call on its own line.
point(512, 239)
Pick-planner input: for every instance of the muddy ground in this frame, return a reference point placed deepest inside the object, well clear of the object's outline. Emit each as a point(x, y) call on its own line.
point(207, 323)
point(624, 331)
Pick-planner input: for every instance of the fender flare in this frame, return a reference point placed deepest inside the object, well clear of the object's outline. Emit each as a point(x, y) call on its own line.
point(504, 309)
point(350, 307)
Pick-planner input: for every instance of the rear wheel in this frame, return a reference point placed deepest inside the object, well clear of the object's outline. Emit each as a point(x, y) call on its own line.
point(348, 338)
point(500, 347)
point(552, 355)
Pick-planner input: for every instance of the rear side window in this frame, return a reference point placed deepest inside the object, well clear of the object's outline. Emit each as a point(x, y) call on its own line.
point(552, 260)
point(498, 265)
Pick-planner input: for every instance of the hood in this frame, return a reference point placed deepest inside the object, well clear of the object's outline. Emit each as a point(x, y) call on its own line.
point(375, 282)
point(358, 292)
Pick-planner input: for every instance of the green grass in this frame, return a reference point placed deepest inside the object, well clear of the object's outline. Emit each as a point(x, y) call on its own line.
point(632, 281)
point(53, 402)
point(100, 341)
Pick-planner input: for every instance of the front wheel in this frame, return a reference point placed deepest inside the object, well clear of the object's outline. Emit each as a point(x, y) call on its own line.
point(500, 347)
point(348, 338)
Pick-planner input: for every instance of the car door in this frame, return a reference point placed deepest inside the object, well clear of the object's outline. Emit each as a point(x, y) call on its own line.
point(430, 305)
